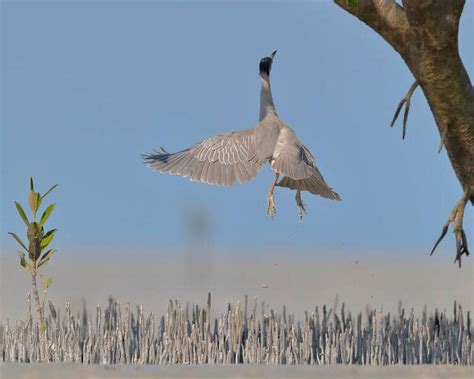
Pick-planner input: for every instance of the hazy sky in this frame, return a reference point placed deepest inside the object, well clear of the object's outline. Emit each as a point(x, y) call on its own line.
point(89, 86)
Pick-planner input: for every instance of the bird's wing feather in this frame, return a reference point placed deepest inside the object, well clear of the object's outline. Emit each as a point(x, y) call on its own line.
point(303, 175)
point(222, 159)
point(297, 164)
point(291, 157)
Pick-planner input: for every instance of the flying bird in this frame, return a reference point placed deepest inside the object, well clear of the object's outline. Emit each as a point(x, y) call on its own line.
point(238, 156)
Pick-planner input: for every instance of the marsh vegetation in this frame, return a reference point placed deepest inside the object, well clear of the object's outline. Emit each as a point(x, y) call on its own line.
point(245, 333)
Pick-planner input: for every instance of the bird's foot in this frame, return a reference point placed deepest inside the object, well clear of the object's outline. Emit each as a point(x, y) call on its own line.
point(271, 206)
point(456, 220)
point(301, 205)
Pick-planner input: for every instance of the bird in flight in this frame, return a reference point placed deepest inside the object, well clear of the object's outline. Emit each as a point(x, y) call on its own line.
point(238, 156)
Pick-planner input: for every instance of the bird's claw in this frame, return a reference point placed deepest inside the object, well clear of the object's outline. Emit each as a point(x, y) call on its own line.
point(271, 207)
point(301, 206)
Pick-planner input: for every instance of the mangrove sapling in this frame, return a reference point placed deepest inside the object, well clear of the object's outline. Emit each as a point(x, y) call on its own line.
point(37, 252)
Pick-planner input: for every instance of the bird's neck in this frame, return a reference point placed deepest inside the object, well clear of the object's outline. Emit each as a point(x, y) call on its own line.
point(266, 100)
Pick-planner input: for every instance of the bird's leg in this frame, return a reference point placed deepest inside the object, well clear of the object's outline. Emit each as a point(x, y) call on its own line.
point(271, 207)
point(300, 204)
point(456, 218)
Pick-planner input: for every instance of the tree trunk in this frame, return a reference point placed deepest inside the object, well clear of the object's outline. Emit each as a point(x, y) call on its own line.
point(425, 34)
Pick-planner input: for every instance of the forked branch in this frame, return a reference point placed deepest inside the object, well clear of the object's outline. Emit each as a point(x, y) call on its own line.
point(456, 218)
point(425, 34)
point(386, 17)
point(406, 101)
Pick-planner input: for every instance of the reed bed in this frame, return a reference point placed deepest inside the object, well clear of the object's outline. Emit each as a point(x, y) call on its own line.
point(255, 335)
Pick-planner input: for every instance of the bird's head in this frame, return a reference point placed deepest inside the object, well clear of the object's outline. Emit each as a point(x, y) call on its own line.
point(266, 64)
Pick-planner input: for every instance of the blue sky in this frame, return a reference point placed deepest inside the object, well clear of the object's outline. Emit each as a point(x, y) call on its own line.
point(86, 87)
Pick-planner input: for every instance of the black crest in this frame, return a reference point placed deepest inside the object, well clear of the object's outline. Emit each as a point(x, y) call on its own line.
point(266, 65)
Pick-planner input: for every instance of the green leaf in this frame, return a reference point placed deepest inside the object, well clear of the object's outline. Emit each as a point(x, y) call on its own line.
point(48, 191)
point(22, 213)
point(23, 262)
point(46, 214)
point(39, 200)
point(18, 240)
point(32, 186)
point(33, 201)
point(48, 237)
point(46, 256)
point(353, 3)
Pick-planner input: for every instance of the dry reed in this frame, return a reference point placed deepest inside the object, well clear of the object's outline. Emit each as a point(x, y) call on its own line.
point(188, 335)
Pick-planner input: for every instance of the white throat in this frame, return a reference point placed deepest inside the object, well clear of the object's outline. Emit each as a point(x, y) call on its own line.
point(266, 100)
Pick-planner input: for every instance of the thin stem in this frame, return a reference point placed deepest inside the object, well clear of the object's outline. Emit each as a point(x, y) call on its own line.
point(45, 292)
point(39, 308)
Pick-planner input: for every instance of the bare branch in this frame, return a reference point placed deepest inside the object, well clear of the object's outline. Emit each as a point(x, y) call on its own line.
point(386, 17)
point(456, 218)
point(439, 18)
point(425, 34)
point(405, 100)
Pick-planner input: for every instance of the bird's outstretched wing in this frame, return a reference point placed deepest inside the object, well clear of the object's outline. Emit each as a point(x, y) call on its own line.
point(221, 160)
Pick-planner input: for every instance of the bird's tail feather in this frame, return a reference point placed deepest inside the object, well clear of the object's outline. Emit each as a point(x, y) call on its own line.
point(314, 184)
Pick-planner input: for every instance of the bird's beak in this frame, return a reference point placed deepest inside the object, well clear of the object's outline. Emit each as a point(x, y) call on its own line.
point(273, 54)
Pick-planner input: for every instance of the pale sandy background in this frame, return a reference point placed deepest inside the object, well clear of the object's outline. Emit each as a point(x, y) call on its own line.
point(296, 279)
point(60, 371)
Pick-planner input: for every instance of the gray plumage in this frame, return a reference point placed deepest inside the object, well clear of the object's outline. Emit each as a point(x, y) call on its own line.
point(238, 156)
point(222, 159)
